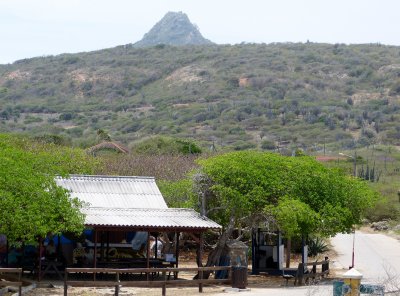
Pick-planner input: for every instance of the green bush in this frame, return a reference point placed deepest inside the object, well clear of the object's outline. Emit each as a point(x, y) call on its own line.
point(316, 246)
point(268, 145)
point(32, 119)
point(383, 209)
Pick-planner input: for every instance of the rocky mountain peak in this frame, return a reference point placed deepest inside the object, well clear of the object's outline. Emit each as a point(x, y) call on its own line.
point(174, 28)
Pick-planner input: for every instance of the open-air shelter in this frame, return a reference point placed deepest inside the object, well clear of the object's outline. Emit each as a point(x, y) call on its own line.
point(117, 209)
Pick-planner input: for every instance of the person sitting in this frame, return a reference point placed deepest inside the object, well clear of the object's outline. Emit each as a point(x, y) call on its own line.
point(78, 255)
point(156, 246)
point(89, 257)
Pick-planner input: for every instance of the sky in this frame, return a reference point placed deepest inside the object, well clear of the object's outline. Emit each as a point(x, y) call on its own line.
point(30, 28)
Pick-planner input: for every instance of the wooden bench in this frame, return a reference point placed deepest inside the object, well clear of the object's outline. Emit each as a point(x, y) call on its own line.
point(304, 275)
point(7, 280)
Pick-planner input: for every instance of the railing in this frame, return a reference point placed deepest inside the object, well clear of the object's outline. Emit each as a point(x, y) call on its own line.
point(8, 282)
point(303, 274)
point(163, 283)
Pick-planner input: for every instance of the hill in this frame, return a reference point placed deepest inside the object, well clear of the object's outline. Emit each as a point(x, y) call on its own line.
point(231, 97)
point(174, 28)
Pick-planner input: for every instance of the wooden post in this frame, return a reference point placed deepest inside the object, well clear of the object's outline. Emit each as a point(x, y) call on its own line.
point(148, 255)
point(201, 278)
point(325, 265)
point(164, 286)
point(95, 253)
point(176, 252)
point(40, 258)
point(200, 259)
point(65, 283)
point(20, 280)
point(117, 286)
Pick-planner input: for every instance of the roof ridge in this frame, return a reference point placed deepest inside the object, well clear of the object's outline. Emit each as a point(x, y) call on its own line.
point(76, 176)
point(140, 209)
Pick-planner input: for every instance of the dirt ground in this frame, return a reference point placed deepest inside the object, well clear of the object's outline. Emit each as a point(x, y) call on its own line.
point(260, 281)
point(55, 288)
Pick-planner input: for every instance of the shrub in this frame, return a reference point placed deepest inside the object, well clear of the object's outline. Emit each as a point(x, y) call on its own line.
point(383, 210)
point(268, 145)
point(166, 145)
point(316, 246)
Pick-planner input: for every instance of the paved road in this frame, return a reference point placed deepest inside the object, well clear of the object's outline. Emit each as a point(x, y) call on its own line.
point(376, 255)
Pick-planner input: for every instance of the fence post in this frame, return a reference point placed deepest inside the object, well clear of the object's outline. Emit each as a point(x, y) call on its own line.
point(20, 280)
point(117, 286)
point(201, 279)
point(65, 282)
point(164, 286)
point(325, 265)
point(230, 272)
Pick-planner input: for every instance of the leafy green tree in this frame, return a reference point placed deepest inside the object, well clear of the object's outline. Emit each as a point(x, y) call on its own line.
point(299, 193)
point(31, 204)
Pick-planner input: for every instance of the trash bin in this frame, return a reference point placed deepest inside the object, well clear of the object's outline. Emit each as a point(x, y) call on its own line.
point(338, 288)
point(239, 277)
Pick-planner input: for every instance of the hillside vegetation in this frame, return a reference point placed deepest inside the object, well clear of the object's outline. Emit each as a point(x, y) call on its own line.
point(228, 97)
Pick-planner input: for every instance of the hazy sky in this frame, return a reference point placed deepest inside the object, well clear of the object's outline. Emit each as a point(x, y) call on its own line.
point(31, 28)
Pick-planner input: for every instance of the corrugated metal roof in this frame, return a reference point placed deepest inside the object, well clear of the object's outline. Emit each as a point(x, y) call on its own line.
point(114, 201)
point(114, 191)
point(148, 218)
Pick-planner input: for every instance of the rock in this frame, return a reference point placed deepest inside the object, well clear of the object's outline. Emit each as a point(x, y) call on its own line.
point(381, 225)
point(175, 29)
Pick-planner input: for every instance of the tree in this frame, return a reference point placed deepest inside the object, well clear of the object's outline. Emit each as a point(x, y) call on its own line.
point(166, 145)
point(31, 204)
point(299, 193)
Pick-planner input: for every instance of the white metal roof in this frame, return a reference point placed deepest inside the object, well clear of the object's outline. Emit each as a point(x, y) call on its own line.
point(114, 191)
point(147, 218)
point(114, 201)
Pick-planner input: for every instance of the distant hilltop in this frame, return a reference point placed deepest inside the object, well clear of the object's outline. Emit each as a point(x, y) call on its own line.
point(174, 28)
